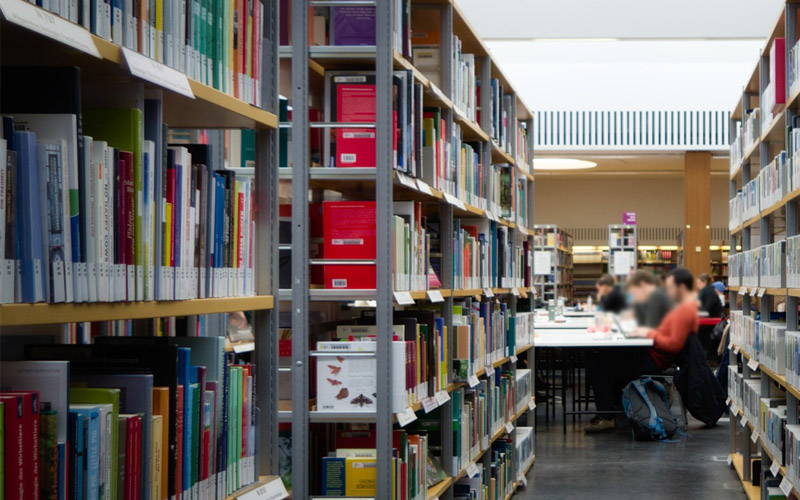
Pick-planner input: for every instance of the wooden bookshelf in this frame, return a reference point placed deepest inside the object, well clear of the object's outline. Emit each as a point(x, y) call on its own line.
point(752, 492)
point(44, 314)
point(272, 489)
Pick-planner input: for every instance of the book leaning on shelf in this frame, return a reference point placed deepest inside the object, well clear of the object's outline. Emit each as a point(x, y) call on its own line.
point(216, 42)
point(793, 262)
point(108, 210)
point(131, 418)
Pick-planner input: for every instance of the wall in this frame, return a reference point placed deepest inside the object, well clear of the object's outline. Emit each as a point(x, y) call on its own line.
point(597, 202)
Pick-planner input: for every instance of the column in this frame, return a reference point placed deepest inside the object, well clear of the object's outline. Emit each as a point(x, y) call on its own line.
point(697, 212)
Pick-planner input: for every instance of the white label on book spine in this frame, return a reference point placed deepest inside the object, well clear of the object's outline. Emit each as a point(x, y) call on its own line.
point(273, 490)
point(472, 470)
point(531, 405)
point(472, 380)
point(754, 437)
point(153, 71)
point(488, 292)
point(404, 298)
point(442, 397)
point(424, 187)
point(50, 25)
point(786, 487)
point(509, 427)
point(752, 364)
point(429, 404)
point(775, 468)
point(406, 416)
point(435, 296)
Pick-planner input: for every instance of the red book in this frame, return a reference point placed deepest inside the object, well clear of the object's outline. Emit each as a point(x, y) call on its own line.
point(30, 402)
point(353, 101)
point(126, 164)
point(349, 229)
point(206, 452)
point(14, 443)
point(240, 34)
point(133, 457)
point(777, 72)
point(122, 215)
point(256, 52)
point(179, 445)
point(240, 237)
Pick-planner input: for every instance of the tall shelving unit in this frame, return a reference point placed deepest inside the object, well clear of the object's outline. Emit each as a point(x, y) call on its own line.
point(62, 43)
point(314, 309)
point(622, 238)
point(757, 276)
point(557, 281)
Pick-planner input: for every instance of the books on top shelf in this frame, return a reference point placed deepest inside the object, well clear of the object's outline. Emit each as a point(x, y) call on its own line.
point(735, 211)
point(751, 199)
point(139, 417)
point(216, 42)
point(735, 269)
point(736, 150)
point(750, 271)
point(463, 83)
point(522, 158)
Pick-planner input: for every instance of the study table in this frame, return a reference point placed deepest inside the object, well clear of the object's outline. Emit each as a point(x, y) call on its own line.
point(577, 339)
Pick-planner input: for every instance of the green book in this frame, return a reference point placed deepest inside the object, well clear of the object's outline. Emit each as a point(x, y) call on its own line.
point(48, 454)
point(93, 395)
point(123, 128)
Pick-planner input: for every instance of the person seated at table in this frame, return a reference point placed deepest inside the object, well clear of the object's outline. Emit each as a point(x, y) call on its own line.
point(606, 373)
point(720, 289)
point(610, 297)
point(650, 302)
point(708, 296)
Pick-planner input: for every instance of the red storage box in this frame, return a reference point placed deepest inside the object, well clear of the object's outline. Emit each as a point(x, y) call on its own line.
point(352, 277)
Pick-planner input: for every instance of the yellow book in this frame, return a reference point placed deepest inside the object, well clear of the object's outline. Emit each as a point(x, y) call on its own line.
point(160, 30)
point(156, 443)
point(360, 477)
point(161, 408)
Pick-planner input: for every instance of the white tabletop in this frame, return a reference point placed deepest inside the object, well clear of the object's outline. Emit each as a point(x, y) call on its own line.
point(581, 338)
point(569, 324)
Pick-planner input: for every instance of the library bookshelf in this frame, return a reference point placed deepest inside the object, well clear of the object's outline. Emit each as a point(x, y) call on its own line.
point(556, 279)
point(762, 267)
point(33, 37)
point(313, 171)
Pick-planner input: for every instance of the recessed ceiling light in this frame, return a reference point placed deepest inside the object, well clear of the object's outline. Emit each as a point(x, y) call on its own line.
point(562, 164)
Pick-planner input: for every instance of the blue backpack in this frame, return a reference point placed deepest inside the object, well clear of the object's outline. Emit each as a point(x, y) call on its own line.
point(647, 407)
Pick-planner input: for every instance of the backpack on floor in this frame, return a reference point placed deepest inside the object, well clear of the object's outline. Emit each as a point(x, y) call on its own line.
point(647, 407)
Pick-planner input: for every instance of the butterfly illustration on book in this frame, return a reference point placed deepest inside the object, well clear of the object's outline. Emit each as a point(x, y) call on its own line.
point(361, 400)
point(335, 369)
point(343, 393)
point(333, 381)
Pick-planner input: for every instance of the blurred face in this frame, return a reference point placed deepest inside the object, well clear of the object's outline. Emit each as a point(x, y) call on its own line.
point(700, 284)
point(674, 291)
point(603, 289)
point(639, 293)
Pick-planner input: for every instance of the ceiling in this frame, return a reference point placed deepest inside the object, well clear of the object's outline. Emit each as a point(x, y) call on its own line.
point(632, 166)
point(622, 19)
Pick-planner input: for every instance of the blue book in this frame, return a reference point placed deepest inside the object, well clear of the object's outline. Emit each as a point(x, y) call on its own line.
point(153, 132)
point(136, 396)
point(178, 215)
point(29, 229)
point(75, 424)
point(333, 476)
point(91, 416)
point(184, 368)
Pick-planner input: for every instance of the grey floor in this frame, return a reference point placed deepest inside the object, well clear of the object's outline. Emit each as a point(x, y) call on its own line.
point(613, 466)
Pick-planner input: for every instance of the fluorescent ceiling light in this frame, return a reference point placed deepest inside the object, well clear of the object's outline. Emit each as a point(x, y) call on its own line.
point(562, 164)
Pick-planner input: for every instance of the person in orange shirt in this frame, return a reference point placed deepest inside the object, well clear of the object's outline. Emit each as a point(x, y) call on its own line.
point(607, 373)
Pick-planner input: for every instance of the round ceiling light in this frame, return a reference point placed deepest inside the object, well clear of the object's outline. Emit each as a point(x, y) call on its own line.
point(562, 164)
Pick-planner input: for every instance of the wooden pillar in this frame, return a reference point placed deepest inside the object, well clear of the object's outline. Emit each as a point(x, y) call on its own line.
point(697, 212)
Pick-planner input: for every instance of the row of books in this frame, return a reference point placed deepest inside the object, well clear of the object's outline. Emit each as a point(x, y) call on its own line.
point(774, 181)
point(215, 42)
point(523, 158)
point(133, 418)
point(751, 129)
point(108, 210)
point(792, 453)
point(793, 262)
point(464, 82)
point(482, 255)
point(792, 358)
point(774, 96)
point(501, 109)
point(772, 420)
point(346, 365)
point(484, 334)
point(751, 199)
point(735, 211)
point(655, 255)
point(736, 150)
point(772, 265)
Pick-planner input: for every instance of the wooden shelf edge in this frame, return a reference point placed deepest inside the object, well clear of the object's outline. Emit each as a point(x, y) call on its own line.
point(752, 492)
point(46, 313)
point(780, 379)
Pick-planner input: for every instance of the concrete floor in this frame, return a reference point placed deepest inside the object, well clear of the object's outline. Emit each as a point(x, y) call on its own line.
point(615, 467)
